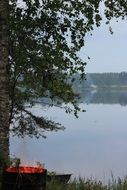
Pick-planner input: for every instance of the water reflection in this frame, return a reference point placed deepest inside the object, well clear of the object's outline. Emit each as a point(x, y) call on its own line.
point(105, 96)
point(93, 145)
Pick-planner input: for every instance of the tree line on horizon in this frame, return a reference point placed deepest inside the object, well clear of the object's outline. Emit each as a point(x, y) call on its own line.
point(100, 80)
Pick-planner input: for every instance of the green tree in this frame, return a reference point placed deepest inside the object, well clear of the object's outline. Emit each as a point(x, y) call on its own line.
point(45, 37)
point(44, 40)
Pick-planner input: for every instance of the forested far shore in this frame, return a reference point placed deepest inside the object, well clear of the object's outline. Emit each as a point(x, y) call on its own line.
point(100, 80)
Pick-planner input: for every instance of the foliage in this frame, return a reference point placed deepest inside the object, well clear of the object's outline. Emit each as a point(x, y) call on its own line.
point(89, 184)
point(45, 38)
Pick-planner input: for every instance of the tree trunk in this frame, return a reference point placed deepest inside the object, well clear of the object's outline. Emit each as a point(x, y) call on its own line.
point(4, 97)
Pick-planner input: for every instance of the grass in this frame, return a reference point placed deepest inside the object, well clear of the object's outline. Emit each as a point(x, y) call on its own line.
point(89, 184)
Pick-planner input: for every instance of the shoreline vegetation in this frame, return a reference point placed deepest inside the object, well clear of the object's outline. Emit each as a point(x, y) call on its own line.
point(89, 184)
point(63, 181)
point(100, 80)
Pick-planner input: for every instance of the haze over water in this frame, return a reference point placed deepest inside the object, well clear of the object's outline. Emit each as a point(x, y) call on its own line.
point(95, 144)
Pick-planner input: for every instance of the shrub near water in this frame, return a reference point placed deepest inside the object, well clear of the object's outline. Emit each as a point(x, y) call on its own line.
point(83, 184)
point(89, 184)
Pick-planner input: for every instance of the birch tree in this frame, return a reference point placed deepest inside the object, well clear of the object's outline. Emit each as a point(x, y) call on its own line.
point(40, 42)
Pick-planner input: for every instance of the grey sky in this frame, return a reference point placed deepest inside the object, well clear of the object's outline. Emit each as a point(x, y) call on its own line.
point(108, 52)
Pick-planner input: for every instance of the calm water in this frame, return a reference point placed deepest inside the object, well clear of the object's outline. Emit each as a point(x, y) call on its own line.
point(93, 145)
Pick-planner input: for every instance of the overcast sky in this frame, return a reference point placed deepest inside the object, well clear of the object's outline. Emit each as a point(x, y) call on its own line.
point(108, 52)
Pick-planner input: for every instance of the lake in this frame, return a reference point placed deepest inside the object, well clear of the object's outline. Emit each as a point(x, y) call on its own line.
point(94, 145)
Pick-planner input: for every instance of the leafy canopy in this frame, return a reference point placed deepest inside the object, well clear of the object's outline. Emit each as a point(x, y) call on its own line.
point(45, 38)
